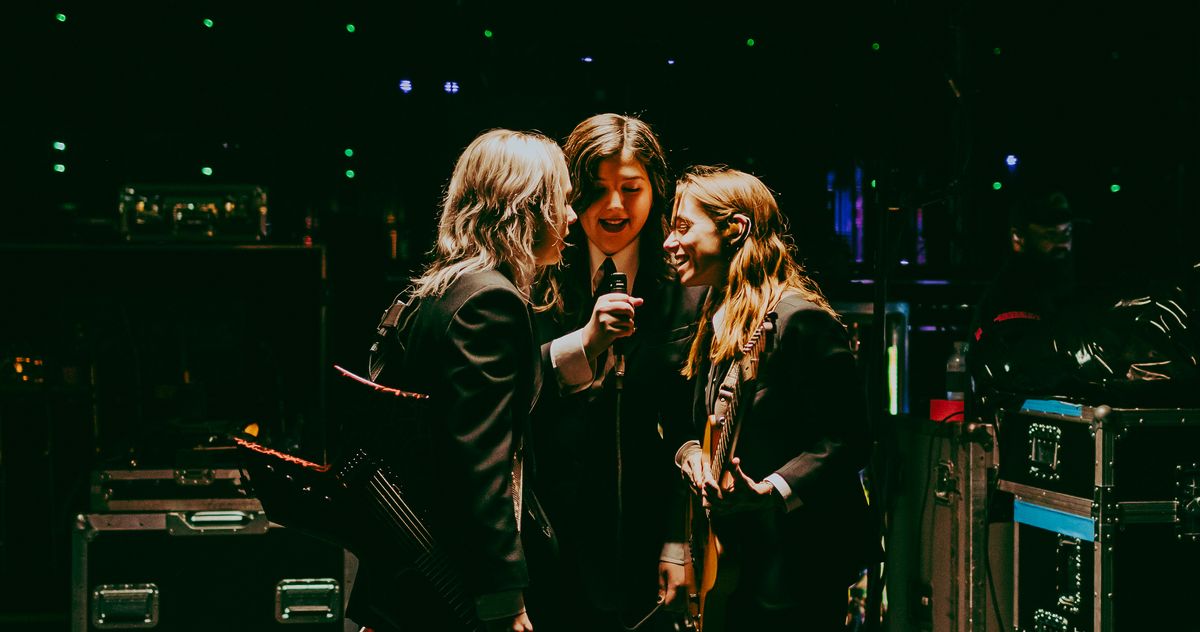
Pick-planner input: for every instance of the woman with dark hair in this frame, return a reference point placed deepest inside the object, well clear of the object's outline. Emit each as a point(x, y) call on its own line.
point(604, 469)
point(468, 343)
point(790, 510)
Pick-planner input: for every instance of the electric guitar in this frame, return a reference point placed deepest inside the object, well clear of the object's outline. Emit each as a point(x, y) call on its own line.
point(360, 504)
point(713, 574)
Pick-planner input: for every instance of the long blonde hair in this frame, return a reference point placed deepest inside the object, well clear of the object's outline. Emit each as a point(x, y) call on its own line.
point(506, 187)
point(762, 265)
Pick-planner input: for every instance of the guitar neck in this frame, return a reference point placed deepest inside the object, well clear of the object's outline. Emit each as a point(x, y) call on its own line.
point(729, 414)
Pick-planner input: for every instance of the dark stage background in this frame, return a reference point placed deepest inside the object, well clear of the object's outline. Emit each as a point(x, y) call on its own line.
point(147, 343)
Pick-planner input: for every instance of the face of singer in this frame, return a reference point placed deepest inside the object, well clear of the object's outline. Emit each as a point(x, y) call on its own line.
point(694, 245)
point(549, 242)
point(622, 203)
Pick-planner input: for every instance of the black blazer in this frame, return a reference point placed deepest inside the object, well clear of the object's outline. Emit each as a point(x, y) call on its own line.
point(575, 436)
point(809, 424)
point(472, 350)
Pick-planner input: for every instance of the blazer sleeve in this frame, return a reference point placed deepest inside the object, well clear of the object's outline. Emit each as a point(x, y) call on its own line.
point(489, 342)
point(822, 372)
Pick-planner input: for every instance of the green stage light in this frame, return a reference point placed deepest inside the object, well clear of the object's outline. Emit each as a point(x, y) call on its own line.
point(349, 152)
point(750, 42)
point(60, 168)
point(61, 17)
point(349, 173)
point(206, 171)
point(349, 28)
point(60, 146)
point(487, 33)
point(996, 186)
point(874, 45)
point(1114, 188)
point(208, 23)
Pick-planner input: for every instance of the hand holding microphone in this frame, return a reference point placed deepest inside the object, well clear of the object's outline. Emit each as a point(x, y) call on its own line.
point(612, 317)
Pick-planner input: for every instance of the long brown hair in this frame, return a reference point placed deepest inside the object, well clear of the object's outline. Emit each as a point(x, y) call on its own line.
point(762, 265)
point(593, 141)
point(506, 187)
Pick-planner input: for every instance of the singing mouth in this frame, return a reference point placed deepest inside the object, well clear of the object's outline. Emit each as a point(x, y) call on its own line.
point(613, 225)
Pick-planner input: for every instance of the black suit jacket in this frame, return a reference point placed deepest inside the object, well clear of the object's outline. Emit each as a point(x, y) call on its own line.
point(808, 423)
point(472, 351)
point(575, 436)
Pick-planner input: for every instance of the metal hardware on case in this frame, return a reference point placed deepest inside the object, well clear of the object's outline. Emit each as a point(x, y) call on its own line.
point(1046, 621)
point(1070, 581)
point(1044, 440)
point(209, 522)
point(307, 600)
point(1187, 502)
point(946, 483)
point(194, 477)
point(124, 606)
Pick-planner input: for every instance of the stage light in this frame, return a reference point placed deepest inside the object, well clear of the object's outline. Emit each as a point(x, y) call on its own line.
point(60, 167)
point(60, 146)
point(208, 23)
point(487, 33)
point(206, 171)
point(996, 50)
point(1010, 160)
point(349, 153)
point(670, 62)
point(451, 87)
point(61, 17)
point(349, 173)
point(349, 28)
point(405, 86)
point(874, 45)
point(872, 183)
point(586, 60)
point(996, 186)
point(750, 42)
point(1114, 188)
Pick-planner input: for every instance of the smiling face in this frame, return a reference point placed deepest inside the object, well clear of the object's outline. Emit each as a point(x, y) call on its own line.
point(694, 245)
point(622, 203)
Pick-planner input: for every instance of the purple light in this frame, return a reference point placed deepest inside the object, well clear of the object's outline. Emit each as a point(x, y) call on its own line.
point(932, 282)
point(1010, 160)
point(451, 87)
point(405, 86)
point(670, 62)
point(929, 328)
point(586, 60)
point(904, 262)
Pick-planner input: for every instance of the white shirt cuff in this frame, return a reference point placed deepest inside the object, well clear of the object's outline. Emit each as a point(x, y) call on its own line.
point(684, 450)
point(790, 501)
point(500, 605)
point(674, 552)
point(570, 362)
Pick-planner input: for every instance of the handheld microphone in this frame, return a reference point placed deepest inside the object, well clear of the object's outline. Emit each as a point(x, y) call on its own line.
point(618, 282)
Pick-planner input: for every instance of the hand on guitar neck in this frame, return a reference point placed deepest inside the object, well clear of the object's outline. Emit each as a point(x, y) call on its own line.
point(736, 491)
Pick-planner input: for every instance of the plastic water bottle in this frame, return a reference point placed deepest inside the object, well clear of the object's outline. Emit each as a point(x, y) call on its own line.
point(956, 372)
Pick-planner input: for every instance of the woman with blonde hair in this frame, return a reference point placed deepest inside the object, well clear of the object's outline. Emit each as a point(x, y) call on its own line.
point(789, 510)
point(464, 336)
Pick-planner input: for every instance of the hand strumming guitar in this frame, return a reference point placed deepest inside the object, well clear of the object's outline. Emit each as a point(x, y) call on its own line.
point(734, 494)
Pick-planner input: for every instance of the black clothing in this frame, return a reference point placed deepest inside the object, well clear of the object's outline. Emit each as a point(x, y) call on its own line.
point(472, 351)
point(808, 424)
point(600, 578)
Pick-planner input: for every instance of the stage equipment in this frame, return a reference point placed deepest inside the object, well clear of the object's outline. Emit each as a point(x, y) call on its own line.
point(193, 212)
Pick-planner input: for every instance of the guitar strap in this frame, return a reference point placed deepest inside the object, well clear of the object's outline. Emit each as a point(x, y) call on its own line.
point(395, 319)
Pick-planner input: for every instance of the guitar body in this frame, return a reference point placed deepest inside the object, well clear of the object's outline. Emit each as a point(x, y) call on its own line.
point(715, 568)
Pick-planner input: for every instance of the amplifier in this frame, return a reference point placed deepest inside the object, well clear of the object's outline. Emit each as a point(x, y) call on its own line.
point(193, 212)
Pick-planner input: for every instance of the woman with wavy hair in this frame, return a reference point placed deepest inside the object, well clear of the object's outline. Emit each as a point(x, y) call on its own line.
point(467, 341)
point(790, 510)
point(604, 468)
